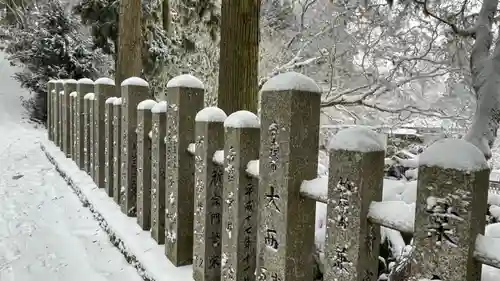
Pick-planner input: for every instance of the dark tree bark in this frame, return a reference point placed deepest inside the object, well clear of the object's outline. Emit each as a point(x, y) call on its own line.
point(239, 56)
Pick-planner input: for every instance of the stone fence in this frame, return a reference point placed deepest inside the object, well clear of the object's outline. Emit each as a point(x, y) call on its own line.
point(235, 196)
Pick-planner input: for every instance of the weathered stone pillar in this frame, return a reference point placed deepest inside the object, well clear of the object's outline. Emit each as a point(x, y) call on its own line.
point(109, 146)
point(240, 197)
point(117, 150)
point(452, 193)
point(92, 136)
point(208, 195)
point(144, 163)
point(83, 87)
point(50, 109)
point(69, 86)
point(355, 180)
point(134, 90)
point(185, 97)
point(104, 89)
point(288, 155)
point(58, 113)
point(72, 117)
point(158, 156)
point(87, 109)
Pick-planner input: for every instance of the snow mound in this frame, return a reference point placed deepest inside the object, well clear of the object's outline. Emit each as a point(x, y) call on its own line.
point(160, 107)
point(104, 81)
point(453, 154)
point(185, 81)
point(118, 101)
point(73, 94)
point(357, 139)
point(135, 81)
point(85, 81)
point(89, 96)
point(211, 114)
point(242, 119)
point(291, 81)
point(111, 100)
point(69, 81)
point(146, 104)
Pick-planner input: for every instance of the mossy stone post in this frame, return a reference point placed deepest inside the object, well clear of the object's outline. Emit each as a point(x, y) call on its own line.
point(108, 146)
point(104, 88)
point(83, 87)
point(144, 163)
point(58, 113)
point(288, 155)
point(117, 150)
point(72, 117)
point(69, 87)
point(185, 97)
point(87, 118)
point(134, 90)
point(451, 206)
point(355, 180)
point(158, 156)
point(208, 195)
point(50, 109)
point(240, 197)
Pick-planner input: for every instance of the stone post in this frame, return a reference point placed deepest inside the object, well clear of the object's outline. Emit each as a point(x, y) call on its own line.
point(288, 155)
point(69, 87)
point(452, 193)
point(83, 87)
point(108, 148)
point(58, 113)
point(185, 97)
point(50, 109)
point(208, 195)
point(117, 150)
point(72, 117)
point(87, 108)
point(92, 136)
point(134, 90)
point(144, 163)
point(158, 156)
point(355, 180)
point(104, 89)
point(240, 197)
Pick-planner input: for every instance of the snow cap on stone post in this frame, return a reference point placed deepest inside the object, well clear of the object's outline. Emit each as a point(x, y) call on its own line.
point(356, 175)
point(239, 233)
point(185, 97)
point(208, 191)
point(451, 206)
point(289, 138)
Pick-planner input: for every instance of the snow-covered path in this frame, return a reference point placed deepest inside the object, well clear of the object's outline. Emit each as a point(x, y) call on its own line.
point(45, 232)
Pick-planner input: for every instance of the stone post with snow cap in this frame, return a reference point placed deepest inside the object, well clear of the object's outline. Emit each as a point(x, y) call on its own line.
point(240, 197)
point(104, 89)
point(185, 97)
point(451, 206)
point(117, 149)
point(144, 163)
point(83, 87)
point(72, 105)
point(58, 87)
point(208, 195)
point(69, 87)
point(355, 180)
point(50, 109)
point(289, 139)
point(134, 90)
point(108, 146)
point(92, 136)
point(158, 162)
point(87, 121)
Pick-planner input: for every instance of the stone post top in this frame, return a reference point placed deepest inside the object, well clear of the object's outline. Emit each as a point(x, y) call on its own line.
point(104, 81)
point(117, 101)
point(185, 81)
point(73, 94)
point(61, 93)
point(454, 154)
point(69, 81)
point(146, 104)
point(52, 81)
point(135, 81)
point(291, 81)
point(85, 81)
point(211, 114)
point(89, 96)
point(357, 139)
point(160, 107)
point(111, 100)
point(242, 119)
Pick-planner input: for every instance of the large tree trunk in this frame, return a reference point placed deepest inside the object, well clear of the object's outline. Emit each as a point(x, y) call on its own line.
point(129, 41)
point(239, 56)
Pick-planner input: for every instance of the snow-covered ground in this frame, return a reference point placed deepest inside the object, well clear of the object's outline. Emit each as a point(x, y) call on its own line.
point(45, 232)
